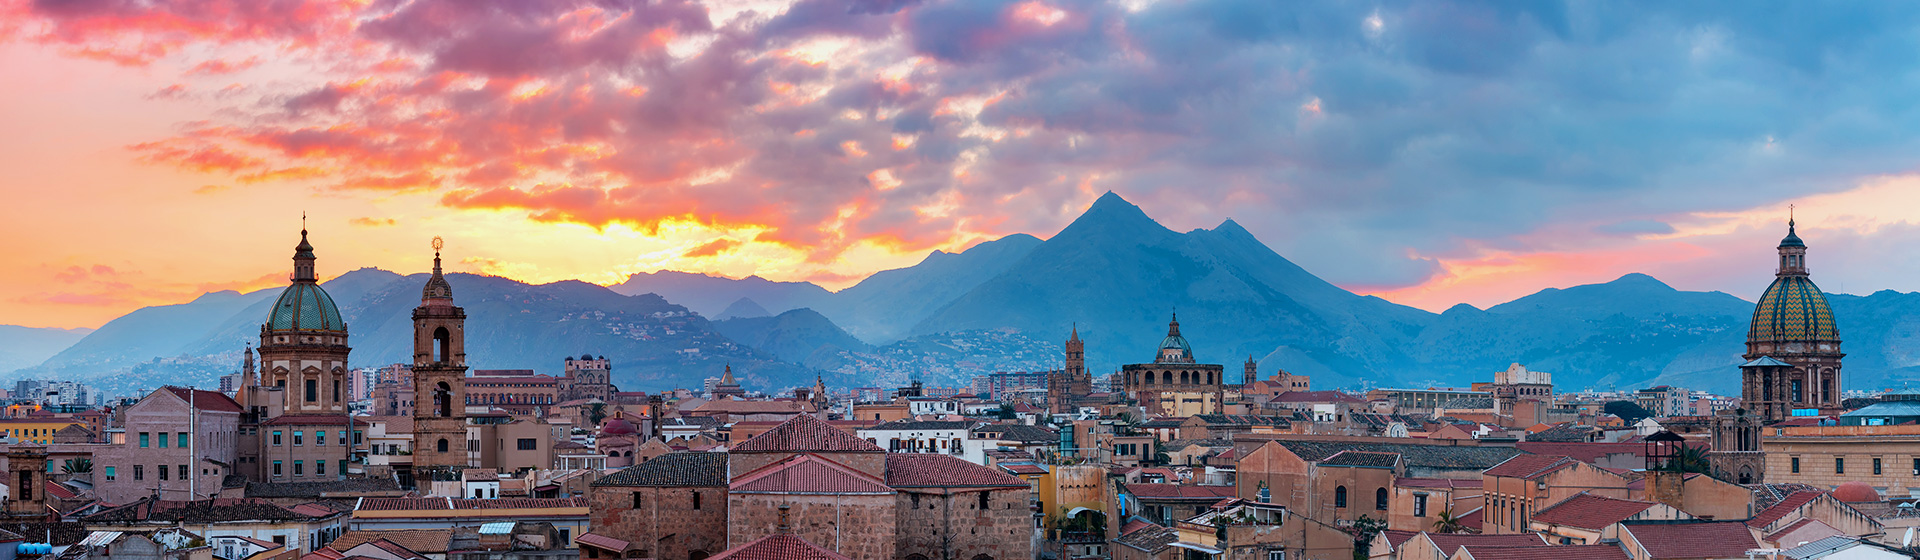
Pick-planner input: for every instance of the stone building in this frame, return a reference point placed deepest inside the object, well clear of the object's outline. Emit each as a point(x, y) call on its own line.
point(672, 507)
point(728, 386)
point(1793, 344)
point(587, 377)
point(949, 509)
point(301, 390)
point(180, 460)
point(1174, 385)
point(836, 507)
point(1066, 386)
point(519, 392)
point(1520, 487)
point(439, 380)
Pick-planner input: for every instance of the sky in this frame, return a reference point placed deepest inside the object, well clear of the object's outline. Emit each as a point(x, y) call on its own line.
point(1432, 153)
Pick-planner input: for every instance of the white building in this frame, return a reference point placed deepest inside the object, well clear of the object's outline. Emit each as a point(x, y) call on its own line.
point(928, 436)
point(918, 406)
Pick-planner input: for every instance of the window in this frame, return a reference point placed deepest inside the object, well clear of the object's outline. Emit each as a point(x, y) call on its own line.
point(280, 540)
point(1340, 497)
point(527, 444)
point(1839, 465)
point(276, 468)
point(1419, 505)
point(299, 468)
point(442, 445)
point(636, 500)
point(183, 439)
point(984, 501)
point(320, 468)
point(1796, 465)
point(276, 437)
point(1380, 499)
point(336, 390)
point(110, 473)
point(163, 440)
point(343, 437)
point(183, 472)
point(313, 394)
point(139, 472)
point(696, 499)
point(163, 471)
point(1876, 466)
point(1276, 555)
point(297, 438)
point(143, 443)
point(566, 536)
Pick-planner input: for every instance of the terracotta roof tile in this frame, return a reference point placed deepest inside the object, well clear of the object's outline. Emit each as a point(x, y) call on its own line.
point(779, 546)
point(1587, 511)
point(1151, 538)
point(1397, 538)
point(1180, 491)
point(928, 470)
point(696, 469)
point(602, 542)
point(1572, 552)
point(1782, 508)
point(1529, 466)
point(1413, 454)
point(423, 541)
point(1707, 539)
point(1362, 459)
point(1451, 542)
point(207, 401)
point(803, 433)
point(808, 474)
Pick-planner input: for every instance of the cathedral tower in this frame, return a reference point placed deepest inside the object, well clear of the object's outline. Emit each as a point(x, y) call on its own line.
point(303, 344)
point(439, 380)
point(1793, 345)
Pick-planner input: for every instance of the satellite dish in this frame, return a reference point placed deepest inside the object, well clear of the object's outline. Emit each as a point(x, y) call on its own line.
point(1907, 540)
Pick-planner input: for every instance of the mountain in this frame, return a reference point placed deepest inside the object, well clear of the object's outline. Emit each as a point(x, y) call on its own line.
point(710, 295)
point(1120, 275)
point(28, 346)
point(885, 306)
point(742, 307)
point(794, 336)
point(510, 325)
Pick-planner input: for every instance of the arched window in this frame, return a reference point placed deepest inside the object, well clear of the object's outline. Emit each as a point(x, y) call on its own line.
point(441, 445)
point(1340, 497)
point(697, 554)
point(1380, 499)
point(1166, 377)
point(442, 345)
point(443, 400)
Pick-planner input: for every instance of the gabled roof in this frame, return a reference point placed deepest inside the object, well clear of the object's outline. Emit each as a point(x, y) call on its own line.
point(1587, 511)
point(1159, 491)
point(1692, 539)
point(422, 541)
point(1371, 459)
point(1782, 508)
point(683, 469)
point(924, 425)
point(1827, 546)
point(1148, 538)
point(808, 474)
point(931, 470)
point(205, 401)
point(1530, 466)
point(805, 434)
point(779, 546)
point(1569, 552)
point(1451, 542)
point(1412, 454)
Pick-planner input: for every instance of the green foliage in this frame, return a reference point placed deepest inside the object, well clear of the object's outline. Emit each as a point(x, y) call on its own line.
point(77, 465)
point(1627, 411)
point(1364, 529)
point(1447, 522)
point(596, 412)
point(1006, 412)
point(1691, 459)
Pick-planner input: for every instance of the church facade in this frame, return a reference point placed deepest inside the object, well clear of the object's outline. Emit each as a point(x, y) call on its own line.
point(295, 426)
point(1174, 384)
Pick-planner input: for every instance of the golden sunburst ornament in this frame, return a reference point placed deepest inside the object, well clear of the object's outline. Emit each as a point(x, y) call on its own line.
point(437, 243)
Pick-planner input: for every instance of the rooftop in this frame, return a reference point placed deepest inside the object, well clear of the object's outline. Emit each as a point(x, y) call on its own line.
point(1570, 552)
point(1587, 511)
point(805, 434)
point(779, 546)
point(694, 469)
point(1530, 466)
point(1413, 455)
point(808, 474)
point(928, 470)
point(1695, 539)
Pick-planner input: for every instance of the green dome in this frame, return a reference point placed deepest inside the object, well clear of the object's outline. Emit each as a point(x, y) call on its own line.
point(1793, 310)
point(305, 307)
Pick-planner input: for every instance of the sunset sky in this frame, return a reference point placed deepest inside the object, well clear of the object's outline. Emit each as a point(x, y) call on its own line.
point(1431, 153)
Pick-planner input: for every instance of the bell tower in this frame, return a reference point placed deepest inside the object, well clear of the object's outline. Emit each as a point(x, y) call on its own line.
point(439, 380)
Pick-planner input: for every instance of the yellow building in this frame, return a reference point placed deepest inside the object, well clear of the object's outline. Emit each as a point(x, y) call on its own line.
point(1885, 457)
point(36, 430)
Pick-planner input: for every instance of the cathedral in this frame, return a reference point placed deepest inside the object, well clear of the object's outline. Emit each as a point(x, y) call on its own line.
point(1065, 387)
point(1174, 385)
point(1793, 363)
point(295, 425)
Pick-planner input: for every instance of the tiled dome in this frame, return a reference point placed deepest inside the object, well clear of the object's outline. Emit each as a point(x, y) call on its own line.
point(305, 307)
point(1793, 310)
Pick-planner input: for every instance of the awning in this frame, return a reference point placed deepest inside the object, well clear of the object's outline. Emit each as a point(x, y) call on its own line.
point(1194, 546)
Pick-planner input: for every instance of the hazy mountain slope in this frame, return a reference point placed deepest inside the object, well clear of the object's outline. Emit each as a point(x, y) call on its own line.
point(159, 331)
point(709, 295)
point(885, 306)
point(742, 307)
point(29, 346)
point(793, 336)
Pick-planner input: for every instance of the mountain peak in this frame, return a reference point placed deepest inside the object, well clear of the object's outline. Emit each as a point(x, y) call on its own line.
point(1111, 214)
point(1635, 279)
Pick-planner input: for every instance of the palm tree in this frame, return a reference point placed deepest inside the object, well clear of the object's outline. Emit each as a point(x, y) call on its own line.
point(1447, 522)
point(596, 412)
point(1691, 459)
point(77, 465)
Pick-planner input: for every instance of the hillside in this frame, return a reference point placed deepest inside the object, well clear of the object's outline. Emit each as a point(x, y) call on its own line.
point(710, 295)
point(28, 346)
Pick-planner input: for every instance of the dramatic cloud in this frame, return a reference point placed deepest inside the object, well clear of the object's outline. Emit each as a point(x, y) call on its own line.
point(1382, 145)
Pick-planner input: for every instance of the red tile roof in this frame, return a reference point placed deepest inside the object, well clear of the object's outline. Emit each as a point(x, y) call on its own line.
point(1529, 466)
point(808, 474)
point(602, 542)
point(805, 434)
point(1710, 539)
point(1451, 542)
point(1590, 452)
point(1473, 519)
point(431, 541)
point(206, 401)
point(60, 491)
point(1782, 508)
point(1180, 491)
point(1439, 482)
point(1024, 468)
point(1574, 552)
point(1587, 511)
point(307, 420)
point(779, 546)
point(929, 470)
point(1397, 538)
point(1316, 397)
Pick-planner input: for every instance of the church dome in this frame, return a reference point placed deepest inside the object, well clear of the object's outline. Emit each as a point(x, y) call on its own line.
point(617, 426)
point(1855, 492)
point(1793, 310)
point(305, 307)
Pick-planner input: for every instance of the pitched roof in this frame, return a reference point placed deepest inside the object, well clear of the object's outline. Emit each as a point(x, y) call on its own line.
point(427, 541)
point(1413, 454)
point(198, 511)
point(803, 434)
point(808, 474)
point(1529, 466)
point(1827, 546)
point(1019, 432)
point(205, 401)
point(924, 425)
point(1587, 511)
point(1316, 397)
point(1782, 508)
point(1151, 538)
point(319, 489)
point(1375, 459)
point(1159, 491)
point(1406, 482)
point(673, 469)
point(597, 540)
point(1588, 452)
point(930, 470)
point(1568, 552)
point(1451, 542)
point(1396, 538)
point(1694, 539)
point(779, 546)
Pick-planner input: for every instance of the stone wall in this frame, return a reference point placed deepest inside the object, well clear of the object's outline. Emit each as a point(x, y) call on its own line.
point(954, 526)
point(665, 524)
point(859, 526)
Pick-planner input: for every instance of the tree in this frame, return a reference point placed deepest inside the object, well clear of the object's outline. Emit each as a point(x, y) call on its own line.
point(1447, 522)
point(77, 465)
point(1691, 459)
point(596, 412)
point(1364, 529)
point(1627, 411)
point(1006, 412)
